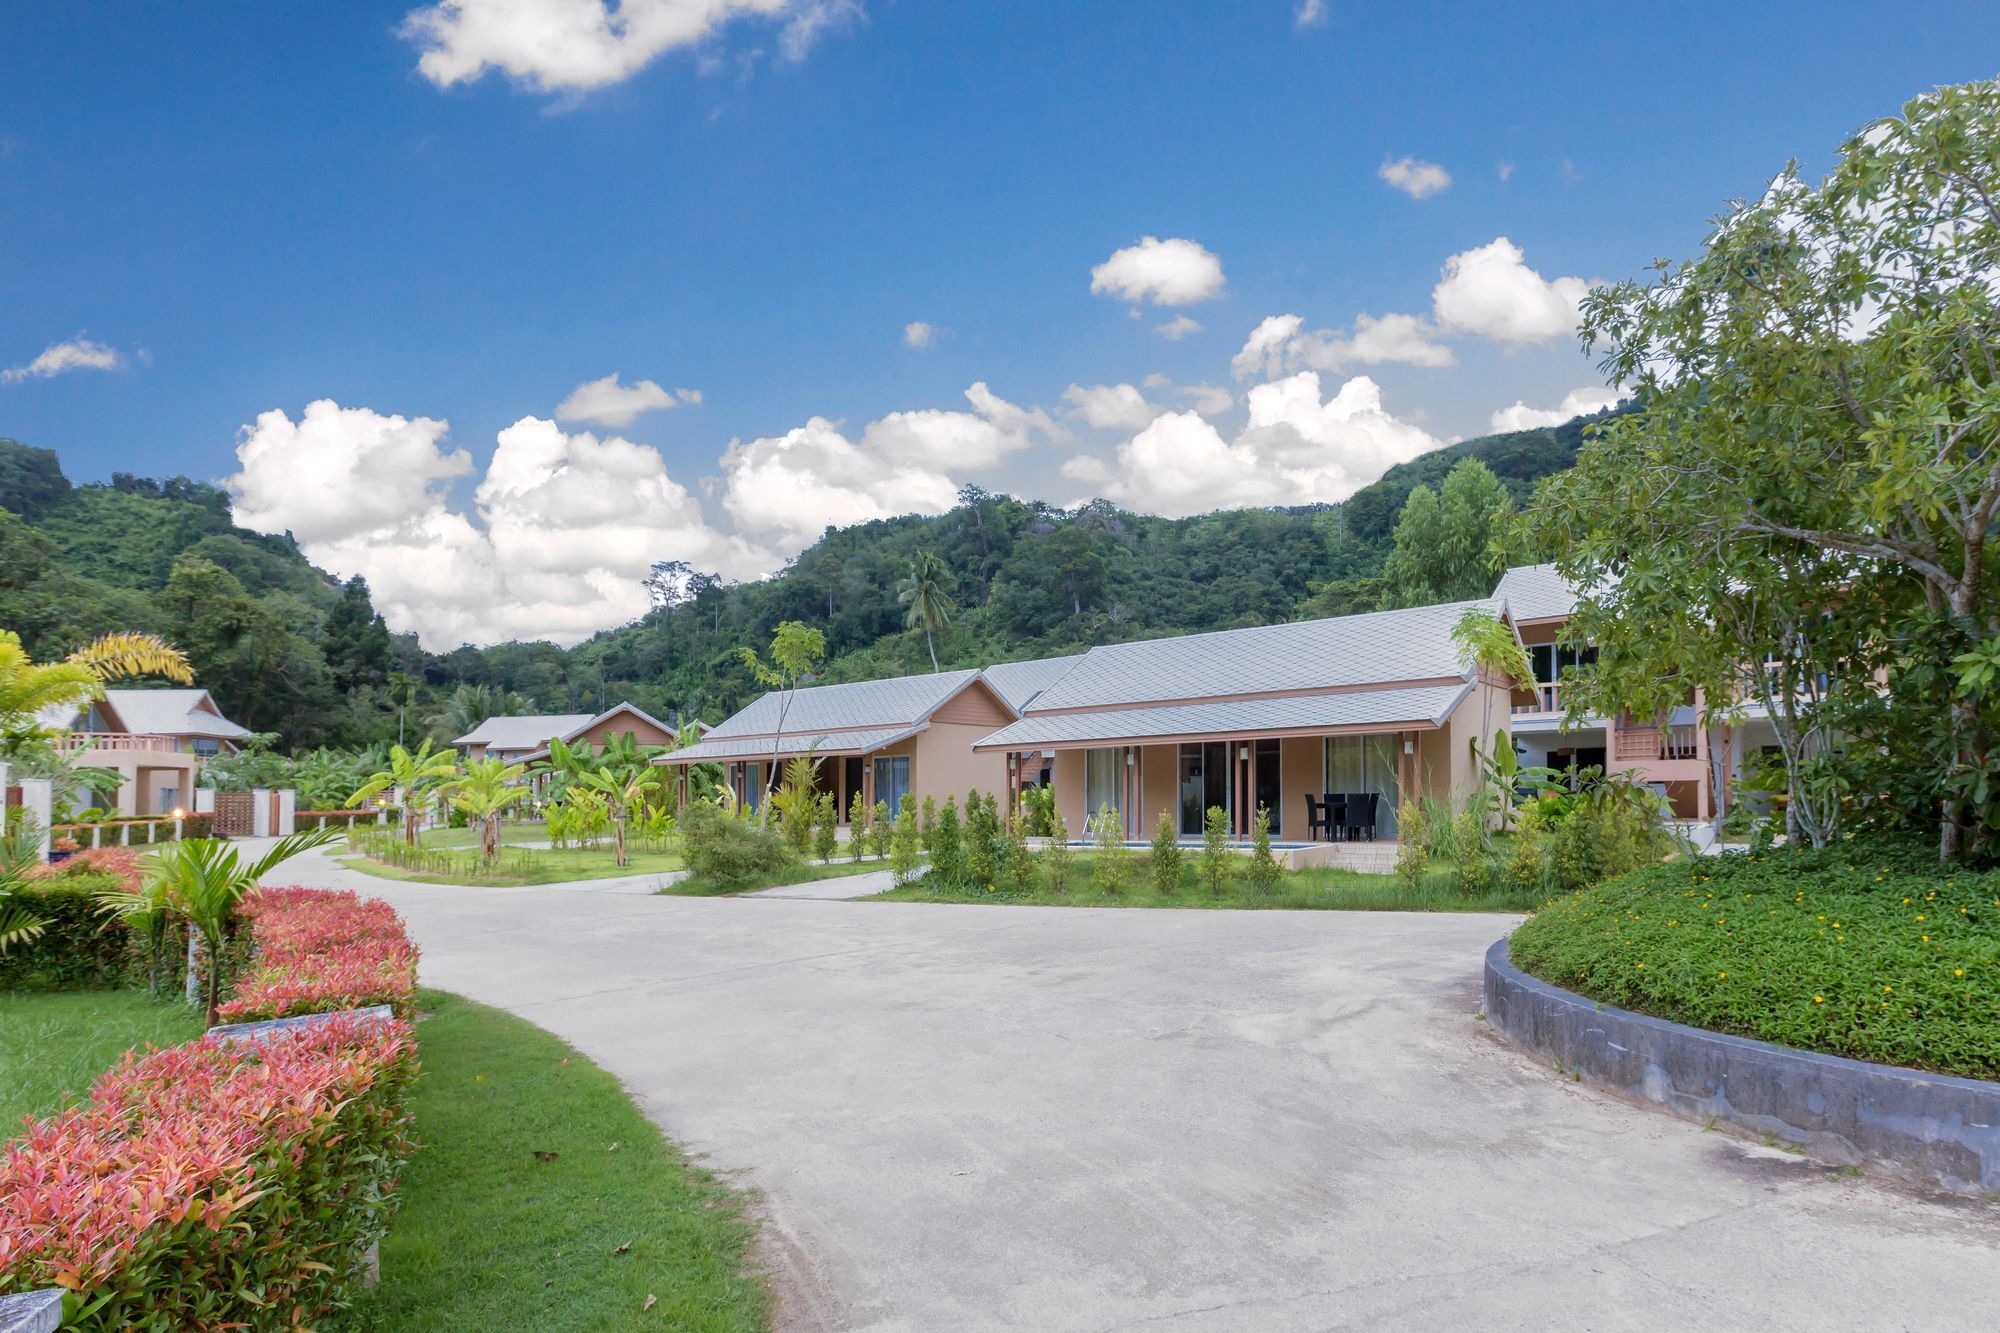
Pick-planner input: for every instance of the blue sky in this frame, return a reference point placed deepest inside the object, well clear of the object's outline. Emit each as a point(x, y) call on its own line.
point(250, 208)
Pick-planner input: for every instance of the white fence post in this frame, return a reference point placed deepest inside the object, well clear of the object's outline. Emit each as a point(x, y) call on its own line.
point(38, 800)
point(288, 812)
point(260, 812)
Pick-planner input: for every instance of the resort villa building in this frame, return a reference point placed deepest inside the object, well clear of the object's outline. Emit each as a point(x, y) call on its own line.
point(1379, 705)
point(1691, 765)
point(876, 738)
point(155, 740)
point(525, 738)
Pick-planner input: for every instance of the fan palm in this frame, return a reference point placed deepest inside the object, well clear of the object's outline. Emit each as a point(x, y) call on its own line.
point(924, 593)
point(203, 880)
point(421, 775)
point(486, 789)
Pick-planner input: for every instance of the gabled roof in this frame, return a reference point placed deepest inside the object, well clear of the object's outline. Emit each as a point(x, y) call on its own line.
point(525, 732)
point(542, 751)
point(1020, 682)
point(169, 713)
point(1414, 707)
point(897, 701)
point(1536, 592)
point(1376, 648)
point(820, 744)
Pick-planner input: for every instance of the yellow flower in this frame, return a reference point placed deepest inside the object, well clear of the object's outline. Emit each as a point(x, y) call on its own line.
point(1958, 972)
point(1819, 999)
point(1720, 975)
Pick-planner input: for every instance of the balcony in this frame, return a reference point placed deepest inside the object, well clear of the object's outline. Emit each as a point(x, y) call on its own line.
point(77, 741)
point(1655, 745)
point(1544, 699)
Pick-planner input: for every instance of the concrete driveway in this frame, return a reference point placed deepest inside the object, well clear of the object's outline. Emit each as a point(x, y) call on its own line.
point(1048, 1118)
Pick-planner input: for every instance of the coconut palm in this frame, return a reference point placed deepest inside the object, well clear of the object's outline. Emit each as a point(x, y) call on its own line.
point(924, 592)
point(486, 789)
point(420, 775)
point(203, 880)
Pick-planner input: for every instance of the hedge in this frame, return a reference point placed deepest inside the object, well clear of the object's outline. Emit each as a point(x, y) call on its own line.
point(214, 1185)
point(80, 948)
point(1875, 958)
point(322, 949)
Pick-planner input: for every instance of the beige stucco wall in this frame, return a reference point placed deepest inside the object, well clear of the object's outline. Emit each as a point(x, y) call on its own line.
point(943, 762)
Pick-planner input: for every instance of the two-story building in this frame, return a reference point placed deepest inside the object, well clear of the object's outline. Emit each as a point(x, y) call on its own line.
point(155, 740)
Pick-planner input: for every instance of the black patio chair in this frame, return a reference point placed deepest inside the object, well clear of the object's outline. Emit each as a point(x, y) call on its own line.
point(1359, 815)
point(1336, 813)
point(1319, 819)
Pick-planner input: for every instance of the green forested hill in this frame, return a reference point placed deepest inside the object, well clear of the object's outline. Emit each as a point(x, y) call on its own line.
point(288, 648)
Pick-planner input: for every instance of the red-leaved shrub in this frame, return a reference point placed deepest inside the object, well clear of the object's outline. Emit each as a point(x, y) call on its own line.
point(322, 949)
point(214, 1185)
point(121, 863)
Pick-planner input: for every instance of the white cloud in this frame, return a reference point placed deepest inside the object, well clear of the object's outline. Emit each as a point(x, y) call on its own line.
point(1490, 292)
point(1086, 468)
point(1177, 328)
point(1294, 449)
point(1575, 403)
point(1170, 272)
point(933, 437)
point(1415, 177)
point(569, 524)
point(1309, 14)
point(79, 353)
point(609, 403)
point(1207, 399)
point(1281, 344)
point(692, 397)
point(919, 334)
point(1505, 171)
point(577, 45)
point(1119, 407)
point(785, 490)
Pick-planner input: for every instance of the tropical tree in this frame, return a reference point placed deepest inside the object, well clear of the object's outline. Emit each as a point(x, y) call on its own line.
point(20, 847)
point(419, 776)
point(924, 593)
point(1494, 649)
point(27, 688)
point(204, 880)
point(1821, 393)
point(797, 650)
point(1449, 542)
point(622, 794)
point(483, 791)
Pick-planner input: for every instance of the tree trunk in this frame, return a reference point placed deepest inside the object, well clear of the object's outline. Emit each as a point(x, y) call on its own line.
point(621, 839)
point(933, 649)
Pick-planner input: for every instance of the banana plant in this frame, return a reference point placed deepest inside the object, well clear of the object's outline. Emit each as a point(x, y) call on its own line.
point(486, 789)
point(621, 795)
point(421, 775)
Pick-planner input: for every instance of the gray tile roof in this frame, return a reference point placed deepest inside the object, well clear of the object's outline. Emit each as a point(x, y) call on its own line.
point(1019, 682)
point(1430, 704)
point(525, 732)
point(170, 713)
point(864, 703)
point(713, 750)
point(1534, 592)
point(1379, 647)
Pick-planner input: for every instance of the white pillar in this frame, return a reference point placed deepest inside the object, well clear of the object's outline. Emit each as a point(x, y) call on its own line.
point(38, 799)
point(288, 809)
point(260, 812)
point(204, 801)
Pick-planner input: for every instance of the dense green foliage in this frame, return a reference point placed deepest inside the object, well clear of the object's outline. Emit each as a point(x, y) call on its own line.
point(726, 851)
point(79, 948)
point(290, 650)
point(1877, 958)
point(541, 1180)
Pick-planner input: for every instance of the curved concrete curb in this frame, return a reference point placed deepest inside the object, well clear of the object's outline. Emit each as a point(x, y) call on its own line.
point(1927, 1128)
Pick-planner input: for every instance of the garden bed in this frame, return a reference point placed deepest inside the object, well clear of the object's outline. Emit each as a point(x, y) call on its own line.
point(1881, 960)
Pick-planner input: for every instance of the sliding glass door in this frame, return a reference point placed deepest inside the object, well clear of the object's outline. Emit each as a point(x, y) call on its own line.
point(1364, 764)
point(1103, 782)
point(892, 780)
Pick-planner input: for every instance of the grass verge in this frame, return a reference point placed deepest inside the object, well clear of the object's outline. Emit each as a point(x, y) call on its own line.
point(693, 887)
point(54, 1046)
point(1317, 889)
point(542, 1198)
point(550, 867)
point(1825, 951)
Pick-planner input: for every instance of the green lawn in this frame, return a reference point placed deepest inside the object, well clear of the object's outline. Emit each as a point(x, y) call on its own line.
point(542, 1198)
point(691, 887)
point(53, 1047)
point(545, 865)
point(1315, 889)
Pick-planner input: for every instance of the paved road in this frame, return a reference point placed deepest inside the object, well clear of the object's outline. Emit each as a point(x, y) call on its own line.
point(1047, 1118)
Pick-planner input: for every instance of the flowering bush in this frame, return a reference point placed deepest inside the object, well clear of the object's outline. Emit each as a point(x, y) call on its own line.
point(322, 949)
point(213, 1185)
point(1839, 951)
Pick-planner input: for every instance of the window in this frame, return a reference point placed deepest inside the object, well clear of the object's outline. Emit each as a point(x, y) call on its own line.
point(1265, 780)
point(1204, 782)
point(1103, 780)
point(1363, 765)
point(892, 779)
point(205, 746)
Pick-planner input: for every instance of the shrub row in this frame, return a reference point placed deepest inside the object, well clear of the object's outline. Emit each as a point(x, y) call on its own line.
point(80, 948)
point(319, 950)
point(1834, 952)
point(216, 1184)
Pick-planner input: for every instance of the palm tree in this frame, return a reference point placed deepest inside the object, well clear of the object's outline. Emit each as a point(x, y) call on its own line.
point(20, 847)
point(419, 775)
point(203, 880)
point(924, 593)
point(27, 689)
point(621, 793)
point(487, 789)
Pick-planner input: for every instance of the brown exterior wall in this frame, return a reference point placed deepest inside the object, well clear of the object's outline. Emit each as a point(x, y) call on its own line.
point(974, 706)
point(644, 732)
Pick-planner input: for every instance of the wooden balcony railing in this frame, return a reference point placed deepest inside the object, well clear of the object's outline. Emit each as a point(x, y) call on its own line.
point(1545, 700)
point(115, 740)
point(1643, 745)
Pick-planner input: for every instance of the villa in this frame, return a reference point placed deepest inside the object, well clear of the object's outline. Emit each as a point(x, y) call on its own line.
point(1379, 704)
point(525, 739)
point(877, 739)
point(1689, 764)
point(155, 740)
